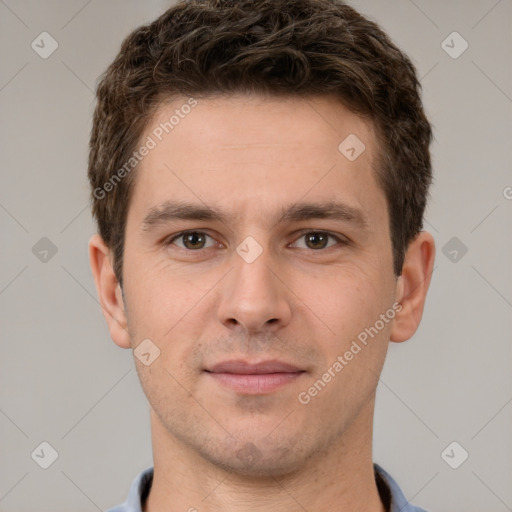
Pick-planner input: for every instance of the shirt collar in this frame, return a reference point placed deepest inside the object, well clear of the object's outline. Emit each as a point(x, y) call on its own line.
point(391, 494)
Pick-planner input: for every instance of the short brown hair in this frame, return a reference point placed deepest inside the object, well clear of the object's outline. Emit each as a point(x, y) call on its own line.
point(276, 47)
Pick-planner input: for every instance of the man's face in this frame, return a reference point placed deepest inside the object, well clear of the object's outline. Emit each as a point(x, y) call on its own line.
point(259, 286)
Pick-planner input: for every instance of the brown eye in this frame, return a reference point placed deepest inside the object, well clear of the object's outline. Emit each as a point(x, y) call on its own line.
point(317, 240)
point(192, 240)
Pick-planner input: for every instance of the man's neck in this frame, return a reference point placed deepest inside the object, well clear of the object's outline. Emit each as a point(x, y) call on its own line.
point(340, 479)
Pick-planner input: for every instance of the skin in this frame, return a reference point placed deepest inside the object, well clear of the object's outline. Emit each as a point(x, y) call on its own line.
point(216, 449)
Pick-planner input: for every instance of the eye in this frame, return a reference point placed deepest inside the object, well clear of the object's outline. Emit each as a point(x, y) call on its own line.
point(192, 240)
point(197, 240)
point(318, 240)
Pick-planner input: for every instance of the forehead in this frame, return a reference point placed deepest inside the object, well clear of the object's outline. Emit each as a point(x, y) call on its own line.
point(246, 122)
point(250, 153)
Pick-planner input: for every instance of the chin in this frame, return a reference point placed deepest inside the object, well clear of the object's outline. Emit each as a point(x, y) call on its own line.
point(253, 460)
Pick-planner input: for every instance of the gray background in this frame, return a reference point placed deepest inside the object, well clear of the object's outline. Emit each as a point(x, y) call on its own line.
point(64, 381)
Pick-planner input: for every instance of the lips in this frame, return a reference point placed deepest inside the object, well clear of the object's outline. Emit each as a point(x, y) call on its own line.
point(244, 368)
point(254, 378)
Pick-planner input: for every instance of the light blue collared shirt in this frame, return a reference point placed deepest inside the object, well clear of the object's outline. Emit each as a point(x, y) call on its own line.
point(390, 494)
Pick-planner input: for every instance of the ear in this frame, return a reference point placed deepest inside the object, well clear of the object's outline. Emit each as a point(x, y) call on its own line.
point(412, 286)
point(109, 291)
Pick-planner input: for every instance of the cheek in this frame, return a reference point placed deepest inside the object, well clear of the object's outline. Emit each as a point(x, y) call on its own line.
point(350, 304)
point(346, 301)
point(170, 310)
point(162, 297)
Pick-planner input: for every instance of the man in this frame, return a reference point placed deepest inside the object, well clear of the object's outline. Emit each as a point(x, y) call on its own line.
point(259, 173)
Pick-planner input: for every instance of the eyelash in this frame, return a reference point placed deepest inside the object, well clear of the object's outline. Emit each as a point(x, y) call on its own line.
point(302, 235)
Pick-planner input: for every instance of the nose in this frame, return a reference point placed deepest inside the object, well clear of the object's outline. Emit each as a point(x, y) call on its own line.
point(254, 296)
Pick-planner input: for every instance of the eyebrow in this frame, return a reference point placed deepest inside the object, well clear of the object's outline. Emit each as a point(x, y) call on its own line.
point(177, 210)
